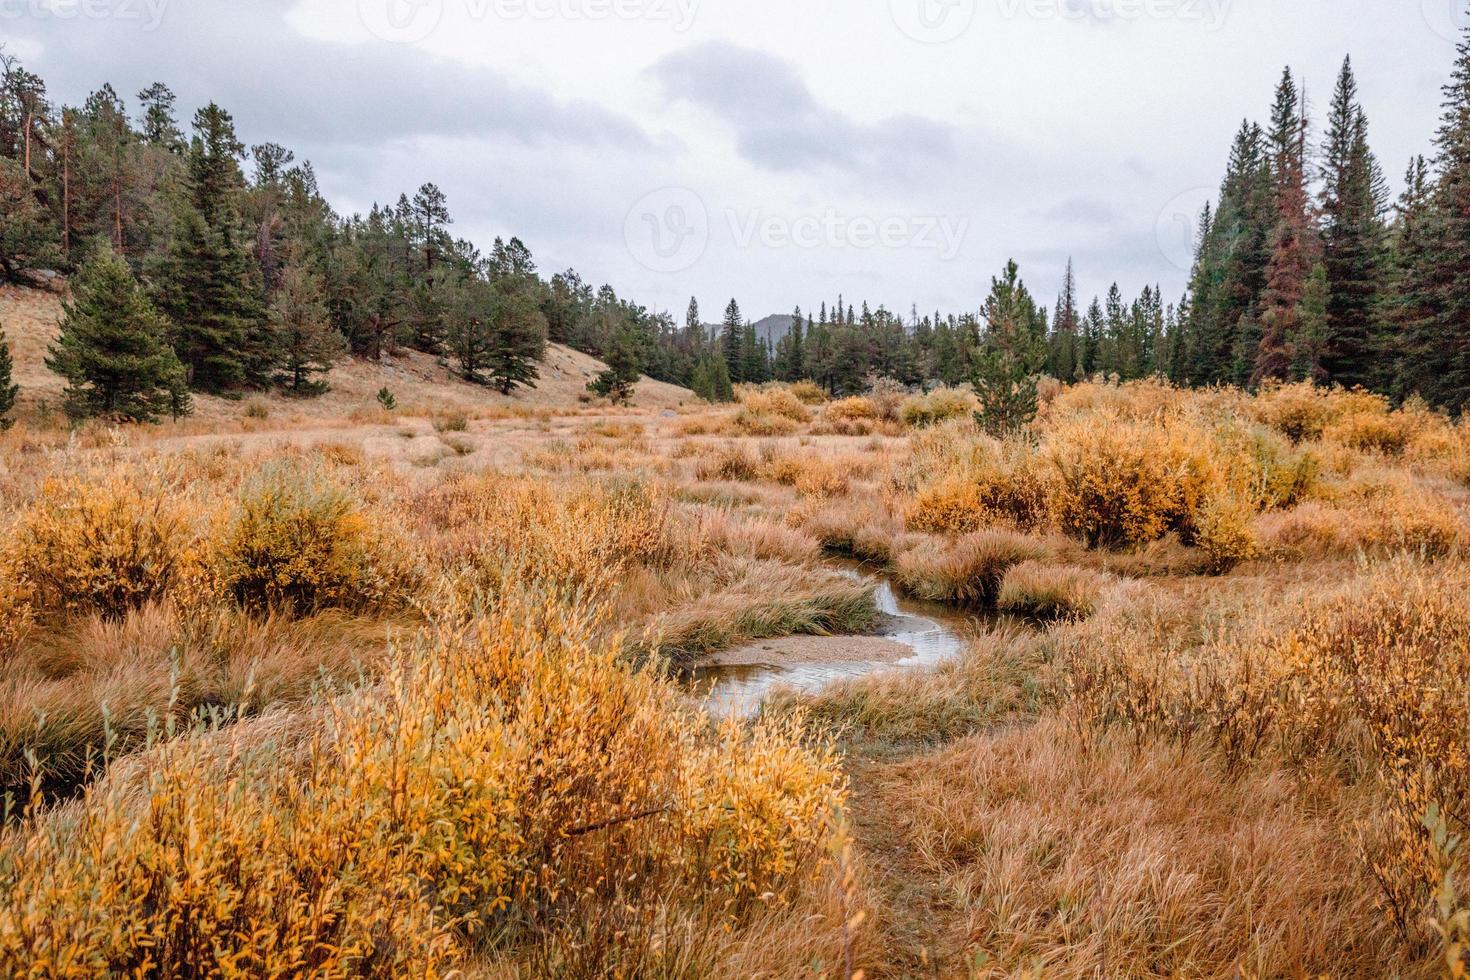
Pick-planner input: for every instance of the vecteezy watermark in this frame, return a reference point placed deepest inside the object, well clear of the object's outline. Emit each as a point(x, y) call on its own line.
point(148, 14)
point(830, 229)
point(933, 21)
point(1178, 226)
point(1447, 18)
point(1210, 13)
point(667, 230)
point(409, 21)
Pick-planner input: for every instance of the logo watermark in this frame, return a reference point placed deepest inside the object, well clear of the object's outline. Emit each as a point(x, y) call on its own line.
point(148, 14)
point(410, 21)
point(933, 21)
point(1450, 19)
point(830, 229)
point(667, 230)
point(1177, 228)
point(1211, 13)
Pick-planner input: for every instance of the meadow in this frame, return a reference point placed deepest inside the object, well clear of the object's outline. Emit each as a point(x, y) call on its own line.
point(402, 693)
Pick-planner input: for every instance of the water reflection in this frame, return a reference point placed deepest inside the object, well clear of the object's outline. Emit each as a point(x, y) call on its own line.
point(933, 634)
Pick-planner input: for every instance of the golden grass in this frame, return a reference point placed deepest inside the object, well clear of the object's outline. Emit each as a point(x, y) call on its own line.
point(967, 571)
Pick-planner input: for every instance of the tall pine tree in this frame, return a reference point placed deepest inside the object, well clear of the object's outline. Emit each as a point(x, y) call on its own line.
point(113, 348)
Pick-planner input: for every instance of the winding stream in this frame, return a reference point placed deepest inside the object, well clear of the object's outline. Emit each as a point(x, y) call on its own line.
point(917, 634)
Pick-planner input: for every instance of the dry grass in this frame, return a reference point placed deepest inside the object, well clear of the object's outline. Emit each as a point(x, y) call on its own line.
point(967, 571)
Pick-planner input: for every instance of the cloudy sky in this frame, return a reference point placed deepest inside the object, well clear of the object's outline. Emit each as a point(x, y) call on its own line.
point(778, 151)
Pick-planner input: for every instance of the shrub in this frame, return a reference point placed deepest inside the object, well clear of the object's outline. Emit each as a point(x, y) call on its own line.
point(298, 541)
point(1225, 534)
point(107, 546)
point(454, 422)
point(731, 462)
point(822, 478)
point(775, 400)
point(1365, 432)
point(968, 571)
point(751, 422)
point(851, 410)
point(257, 410)
point(940, 405)
point(16, 616)
point(809, 393)
point(1044, 591)
point(1128, 483)
point(507, 770)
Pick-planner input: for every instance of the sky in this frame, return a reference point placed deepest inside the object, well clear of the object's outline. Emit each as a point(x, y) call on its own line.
point(780, 152)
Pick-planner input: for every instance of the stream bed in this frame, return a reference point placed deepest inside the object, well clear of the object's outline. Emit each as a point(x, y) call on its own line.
point(909, 634)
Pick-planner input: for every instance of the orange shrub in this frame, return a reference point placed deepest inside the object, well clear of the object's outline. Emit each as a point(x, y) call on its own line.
point(107, 545)
point(1127, 483)
point(300, 542)
point(969, 570)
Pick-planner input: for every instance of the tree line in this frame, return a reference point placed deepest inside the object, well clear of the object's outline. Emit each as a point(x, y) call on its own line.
point(1304, 270)
point(224, 282)
point(190, 274)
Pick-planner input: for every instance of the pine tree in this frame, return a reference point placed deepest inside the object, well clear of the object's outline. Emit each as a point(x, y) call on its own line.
point(624, 364)
point(1352, 240)
point(468, 304)
point(1062, 356)
point(1409, 310)
point(159, 126)
point(113, 349)
point(8, 391)
point(305, 336)
point(1310, 337)
point(1443, 288)
point(1093, 326)
point(517, 343)
point(731, 334)
point(1292, 240)
point(753, 366)
point(209, 284)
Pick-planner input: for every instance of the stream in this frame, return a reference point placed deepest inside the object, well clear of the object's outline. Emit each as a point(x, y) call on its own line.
point(929, 633)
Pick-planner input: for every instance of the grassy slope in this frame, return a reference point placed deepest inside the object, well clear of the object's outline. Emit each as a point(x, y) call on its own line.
point(30, 317)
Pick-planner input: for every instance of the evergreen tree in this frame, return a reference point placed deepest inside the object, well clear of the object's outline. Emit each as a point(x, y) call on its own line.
point(307, 340)
point(1410, 307)
point(1293, 244)
point(209, 285)
point(1062, 355)
point(624, 364)
point(1352, 240)
point(159, 125)
point(731, 335)
point(468, 304)
point(754, 368)
point(113, 349)
point(1310, 337)
point(517, 343)
point(1012, 352)
point(1442, 289)
point(8, 391)
point(1093, 326)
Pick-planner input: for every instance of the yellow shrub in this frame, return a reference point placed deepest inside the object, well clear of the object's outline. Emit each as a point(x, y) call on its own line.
point(753, 422)
point(940, 405)
point(775, 400)
point(809, 393)
point(969, 570)
point(1225, 533)
point(728, 463)
point(106, 546)
point(300, 542)
point(850, 410)
point(507, 769)
point(16, 616)
point(822, 478)
point(1125, 484)
point(1365, 432)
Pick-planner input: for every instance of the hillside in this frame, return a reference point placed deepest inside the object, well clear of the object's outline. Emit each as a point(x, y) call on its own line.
point(30, 319)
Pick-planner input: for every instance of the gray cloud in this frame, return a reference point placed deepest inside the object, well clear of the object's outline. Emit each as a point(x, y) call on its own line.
point(778, 123)
point(283, 86)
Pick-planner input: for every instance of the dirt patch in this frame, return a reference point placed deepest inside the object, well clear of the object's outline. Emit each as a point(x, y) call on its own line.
point(797, 650)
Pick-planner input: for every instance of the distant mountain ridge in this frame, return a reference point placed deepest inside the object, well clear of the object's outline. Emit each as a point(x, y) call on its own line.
point(769, 329)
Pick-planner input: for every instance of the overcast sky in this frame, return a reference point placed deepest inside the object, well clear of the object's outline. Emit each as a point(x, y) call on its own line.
point(778, 151)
